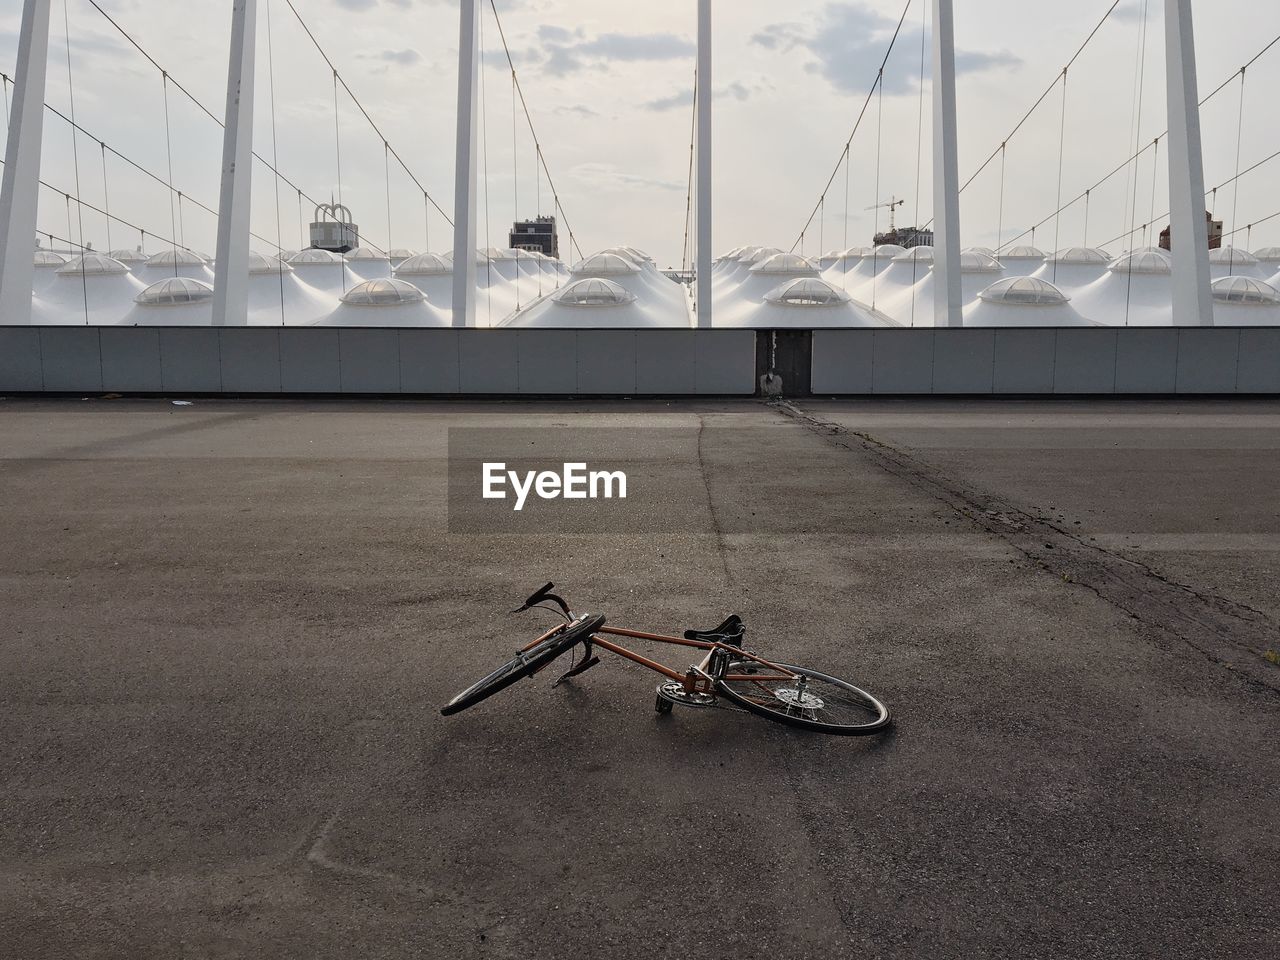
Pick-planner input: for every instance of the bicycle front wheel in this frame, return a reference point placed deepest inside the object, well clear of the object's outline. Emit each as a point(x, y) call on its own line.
point(809, 699)
point(525, 664)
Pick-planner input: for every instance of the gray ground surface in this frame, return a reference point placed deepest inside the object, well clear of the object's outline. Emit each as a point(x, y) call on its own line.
point(228, 628)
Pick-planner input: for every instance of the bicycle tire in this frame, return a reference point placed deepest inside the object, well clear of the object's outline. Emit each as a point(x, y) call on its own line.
point(524, 664)
point(837, 707)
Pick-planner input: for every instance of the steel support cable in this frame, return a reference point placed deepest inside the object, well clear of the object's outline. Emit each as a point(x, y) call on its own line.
point(1062, 144)
point(75, 158)
point(1235, 190)
point(360, 106)
point(858, 122)
point(1155, 172)
point(919, 142)
point(822, 220)
point(137, 166)
point(1000, 204)
point(1130, 159)
point(386, 180)
point(915, 217)
point(685, 252)
point(275, 155)
point(168, 149)
point(844, 234)
point(185, 92)
point(1135, 126)
point(542, 160)
point(1212, 192)
point(96, 209)
point(1135, 156)
point(515, 176)
point(337, 137)
point(844, 238)
point(1249, 226)
point(879, 140)
point(106, 195)
point(1062, 74)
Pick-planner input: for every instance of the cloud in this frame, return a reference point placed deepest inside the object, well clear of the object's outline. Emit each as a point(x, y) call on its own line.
point(736, 90)
point(847, 44)
point(576, 110)
point(607, 175)
point(563, 52)
point(403, 58)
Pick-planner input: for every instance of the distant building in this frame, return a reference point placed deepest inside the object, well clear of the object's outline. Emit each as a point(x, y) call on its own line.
point(1215, 233)
point(907, 237)
point(537, 234)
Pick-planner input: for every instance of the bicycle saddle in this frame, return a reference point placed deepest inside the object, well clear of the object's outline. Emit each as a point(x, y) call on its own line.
point(730, 632)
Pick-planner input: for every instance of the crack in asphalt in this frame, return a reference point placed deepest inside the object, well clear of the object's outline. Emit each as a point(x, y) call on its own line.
point(1227, 633)
point(711, 505)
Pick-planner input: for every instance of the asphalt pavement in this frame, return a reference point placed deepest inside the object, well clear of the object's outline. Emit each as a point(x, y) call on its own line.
point(228, 629)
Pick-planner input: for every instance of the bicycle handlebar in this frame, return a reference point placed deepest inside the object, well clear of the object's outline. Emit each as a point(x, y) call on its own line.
point(544, 594)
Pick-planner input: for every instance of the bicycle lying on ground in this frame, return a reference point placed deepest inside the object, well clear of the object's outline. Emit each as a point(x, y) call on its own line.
point(788, 694)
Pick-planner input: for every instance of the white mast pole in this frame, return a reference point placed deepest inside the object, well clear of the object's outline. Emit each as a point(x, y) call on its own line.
point(18, 193)
point(1189, 232)
point(947, 300)
point(231, 266)
point(464, 189)
point(703, 188)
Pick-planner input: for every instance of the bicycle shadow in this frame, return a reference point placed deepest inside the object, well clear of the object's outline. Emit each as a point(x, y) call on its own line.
point(708, 732)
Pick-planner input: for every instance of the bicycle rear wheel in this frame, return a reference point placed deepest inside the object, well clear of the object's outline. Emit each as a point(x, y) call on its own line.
point(817, 702)
point(525, 664)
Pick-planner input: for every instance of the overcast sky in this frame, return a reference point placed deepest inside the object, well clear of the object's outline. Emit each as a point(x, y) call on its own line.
point(610, 87)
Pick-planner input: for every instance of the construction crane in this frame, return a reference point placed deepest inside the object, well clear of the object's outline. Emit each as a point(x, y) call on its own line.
point(893, 203)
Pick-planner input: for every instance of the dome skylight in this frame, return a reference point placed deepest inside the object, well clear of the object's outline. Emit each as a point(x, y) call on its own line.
point(127, 255)
point(975, 261)
point(47, 258)
point(93, 265)
point(1230, 256)
point(1024, 291)
point(260, 265)
point(1024, 252)
point(384, 292)
point(1245, 291)
point(174, 292)
point(786, 264)
point(593, 292)
point(365, 253)
point(313, 256)
point(1268, 255)
point(424, 265)
point(1085, 255)
point(604, 265)
point(807, 292)
point(176, 257)
point(1147, 262)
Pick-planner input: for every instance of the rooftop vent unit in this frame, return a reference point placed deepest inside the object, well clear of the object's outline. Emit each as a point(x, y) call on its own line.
point(333, 230)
